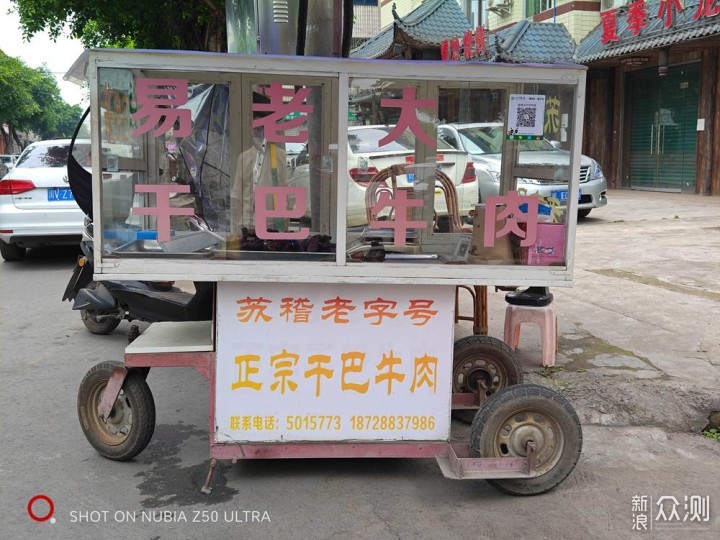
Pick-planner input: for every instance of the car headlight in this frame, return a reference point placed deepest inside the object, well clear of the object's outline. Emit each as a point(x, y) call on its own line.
point(597, 171)
point(494, 175)
point(529, 181)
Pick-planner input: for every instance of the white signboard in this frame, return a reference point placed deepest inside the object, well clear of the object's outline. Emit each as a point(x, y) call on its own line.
point(328, 362)
point(526, 117)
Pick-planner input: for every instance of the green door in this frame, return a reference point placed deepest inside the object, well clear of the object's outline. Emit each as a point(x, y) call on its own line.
point(663, 134)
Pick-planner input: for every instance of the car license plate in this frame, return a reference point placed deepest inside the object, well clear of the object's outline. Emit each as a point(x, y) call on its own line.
point(60, 194)
point(562, 195)
point(410, 178)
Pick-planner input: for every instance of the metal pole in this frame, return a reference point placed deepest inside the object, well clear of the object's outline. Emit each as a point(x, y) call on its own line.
point(321, 18)
point(318, 41)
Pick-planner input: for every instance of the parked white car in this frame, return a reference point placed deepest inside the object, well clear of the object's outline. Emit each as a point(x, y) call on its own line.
point(7, 162)
point(483, 141)
point(366, 157)
point(37, 207)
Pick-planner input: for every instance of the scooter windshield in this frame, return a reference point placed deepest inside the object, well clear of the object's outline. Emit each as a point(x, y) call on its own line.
point(79, 165)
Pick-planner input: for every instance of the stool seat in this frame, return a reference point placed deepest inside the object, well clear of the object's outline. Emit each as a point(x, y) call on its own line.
point(542, 316)
point(533, 296)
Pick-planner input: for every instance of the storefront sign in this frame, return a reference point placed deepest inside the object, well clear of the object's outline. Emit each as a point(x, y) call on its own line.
point(637, 16)
point(472, 46)
point(314, 362)
point(634, 61)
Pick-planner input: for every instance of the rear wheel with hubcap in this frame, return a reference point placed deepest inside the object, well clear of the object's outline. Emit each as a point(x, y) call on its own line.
point(482, 362)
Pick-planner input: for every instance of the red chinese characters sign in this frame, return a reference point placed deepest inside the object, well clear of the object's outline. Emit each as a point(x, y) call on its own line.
point(161, 102)
point(637, 16)
point(471, 46)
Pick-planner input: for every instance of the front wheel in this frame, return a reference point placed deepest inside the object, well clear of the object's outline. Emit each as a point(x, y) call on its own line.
point(130, 426)
point(583, 213)
point(526, 413)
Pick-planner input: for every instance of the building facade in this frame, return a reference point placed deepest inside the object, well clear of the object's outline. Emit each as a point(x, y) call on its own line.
point(652, 115)
point(578, 16)
point(653, 106)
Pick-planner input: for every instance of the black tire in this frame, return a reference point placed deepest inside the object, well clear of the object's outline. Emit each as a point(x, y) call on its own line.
point(516, 415)
point(131, 423)
point(582, 214)
point(482, 360)
point(12, 252)
point(98, 322)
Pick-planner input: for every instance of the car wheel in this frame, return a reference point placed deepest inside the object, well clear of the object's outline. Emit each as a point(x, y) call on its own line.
point(11, 252)
point(584, 213)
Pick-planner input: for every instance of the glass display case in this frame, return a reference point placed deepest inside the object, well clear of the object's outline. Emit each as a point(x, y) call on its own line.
point(222, 167)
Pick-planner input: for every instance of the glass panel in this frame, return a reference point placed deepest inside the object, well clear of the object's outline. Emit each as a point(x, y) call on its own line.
point(171, 189)
point(123, 158)
point(166, 179)
point(533, 205)
point(416, 181)
point(522, 222)
point(398, 172)
point(245, 168)
point(283, 192)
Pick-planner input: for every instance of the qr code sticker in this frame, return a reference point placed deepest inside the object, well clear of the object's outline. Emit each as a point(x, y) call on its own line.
point(525, 117)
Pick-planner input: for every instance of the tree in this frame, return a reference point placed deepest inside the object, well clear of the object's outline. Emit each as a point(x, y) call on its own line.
point(68, 118)
point(30, 101)
point(197, 25)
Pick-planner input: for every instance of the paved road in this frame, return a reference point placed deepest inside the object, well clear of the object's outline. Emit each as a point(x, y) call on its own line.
point(46, 351)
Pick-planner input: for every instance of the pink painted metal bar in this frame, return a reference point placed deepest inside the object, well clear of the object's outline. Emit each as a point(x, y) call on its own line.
point(112, 391)
point(463, 457)
point(459, 464)
point(340, 449)
point(203, 362)
point(465, 399)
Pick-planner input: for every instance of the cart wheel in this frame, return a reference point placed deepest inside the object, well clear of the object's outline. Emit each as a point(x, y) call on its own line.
point(484, 361)
point(98, 322)
point(131, 423)
point(515, 416)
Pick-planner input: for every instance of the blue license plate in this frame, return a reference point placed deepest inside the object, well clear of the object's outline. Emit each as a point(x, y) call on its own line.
point(562, 195)
point(60, 194)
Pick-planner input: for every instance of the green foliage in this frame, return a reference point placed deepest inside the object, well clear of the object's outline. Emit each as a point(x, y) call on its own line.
point(158, 24)
point(713, 433)
point(30, 100)
point(17, 105)
point(68, 117)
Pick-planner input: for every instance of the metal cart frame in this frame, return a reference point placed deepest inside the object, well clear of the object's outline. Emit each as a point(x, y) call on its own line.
point(193, 344)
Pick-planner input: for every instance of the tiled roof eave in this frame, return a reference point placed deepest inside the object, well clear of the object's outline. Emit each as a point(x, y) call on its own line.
point(653, 41)
point(403, 37)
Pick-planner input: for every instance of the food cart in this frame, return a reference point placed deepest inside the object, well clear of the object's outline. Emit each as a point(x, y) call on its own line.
point(336, 266)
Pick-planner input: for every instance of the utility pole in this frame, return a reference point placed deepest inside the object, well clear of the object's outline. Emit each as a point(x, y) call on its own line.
point(324, 28)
